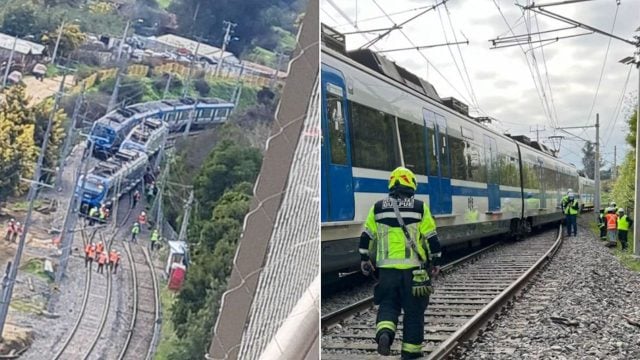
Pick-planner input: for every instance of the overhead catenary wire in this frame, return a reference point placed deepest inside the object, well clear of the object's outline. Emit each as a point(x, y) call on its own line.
point(604, 63)
point(538, 91)
point(618, 109)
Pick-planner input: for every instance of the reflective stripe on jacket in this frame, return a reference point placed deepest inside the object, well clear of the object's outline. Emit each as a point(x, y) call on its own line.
point(612, 221)
point(392, 249)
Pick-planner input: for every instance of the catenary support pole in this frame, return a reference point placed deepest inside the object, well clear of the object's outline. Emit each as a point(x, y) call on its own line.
point(68, 139)
point(636, 224)
point(596, 172)
point(9, 282)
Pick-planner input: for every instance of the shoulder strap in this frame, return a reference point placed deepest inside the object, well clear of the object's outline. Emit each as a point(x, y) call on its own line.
point(407, 236)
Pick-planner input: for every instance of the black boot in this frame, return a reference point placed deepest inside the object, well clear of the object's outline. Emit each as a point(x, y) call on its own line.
point(384, 343)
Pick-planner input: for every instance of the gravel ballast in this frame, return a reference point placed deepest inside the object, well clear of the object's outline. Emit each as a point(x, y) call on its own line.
point(574, 309)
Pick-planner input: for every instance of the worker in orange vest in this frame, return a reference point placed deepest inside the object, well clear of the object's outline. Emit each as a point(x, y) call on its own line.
point(102, 259)
point(18, 232)
point(89, 253)
point(612, 227)
point(142, 219)
point(114, 260)
point(11, 228)
point(99, 247)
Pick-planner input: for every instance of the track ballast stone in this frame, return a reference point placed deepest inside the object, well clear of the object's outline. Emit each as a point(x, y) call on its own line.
point(574, 309)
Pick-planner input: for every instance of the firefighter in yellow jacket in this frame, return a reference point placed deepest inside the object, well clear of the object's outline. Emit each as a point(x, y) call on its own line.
point(400, 237)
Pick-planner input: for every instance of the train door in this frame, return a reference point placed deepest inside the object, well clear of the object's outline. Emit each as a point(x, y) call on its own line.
point(439, 165)
point(543, 183)
point(493, 173)
point(337, 177)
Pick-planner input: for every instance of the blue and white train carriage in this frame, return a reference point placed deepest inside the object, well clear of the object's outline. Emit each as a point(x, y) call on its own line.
point(111, 130)
point(148, 137)
point(377, 116)
point(112, 178)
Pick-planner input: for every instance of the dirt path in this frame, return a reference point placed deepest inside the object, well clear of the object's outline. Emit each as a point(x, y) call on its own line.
point(40, 90)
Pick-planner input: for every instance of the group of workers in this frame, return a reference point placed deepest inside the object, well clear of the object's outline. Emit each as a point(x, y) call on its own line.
point(96, 252)
point(14, 229)
point(614, 226)
point(100, 214)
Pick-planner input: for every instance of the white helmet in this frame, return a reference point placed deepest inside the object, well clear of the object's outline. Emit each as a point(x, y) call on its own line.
point(143, 213)
point(18, 223)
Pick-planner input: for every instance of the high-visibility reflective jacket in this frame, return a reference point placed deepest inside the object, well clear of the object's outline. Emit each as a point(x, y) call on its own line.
point(113, 256)
point(154, 236)
point(392, 249)
point(99, 248)
point(102, 259)
point(572, 208)
point(135, 230)
point(624, 222)
point(93, 212)
point(87, 249)
point(92, 252)
point(612, 221)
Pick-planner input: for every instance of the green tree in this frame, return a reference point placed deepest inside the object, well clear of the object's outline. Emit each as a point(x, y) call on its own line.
point(70, 39)
point(20, 20)
point(631, 135)
point(589, 159)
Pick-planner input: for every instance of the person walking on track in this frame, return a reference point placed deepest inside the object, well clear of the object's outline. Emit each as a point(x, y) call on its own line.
point(135, 198)
point(11, 229)
point(403, 231)
point(89, 254)
point(155, 237)
point(103, 259)
point(113, 258)
point(624, 222)
point(571, 214)
point(134, 232)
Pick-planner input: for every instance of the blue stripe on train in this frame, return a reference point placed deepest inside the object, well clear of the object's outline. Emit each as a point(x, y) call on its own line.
point(369, 185)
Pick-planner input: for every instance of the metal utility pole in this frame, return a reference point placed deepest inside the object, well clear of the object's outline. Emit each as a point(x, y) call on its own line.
point(124, 37)
point(8, 68)
point(167, 86)
point(596, 165)
point(193, 60)
point(163, 184)
point(596, 173)
point(614, 169)
point(537, 130)
point(192, 116)
point(10, 280)
point(68, 139)
point(229, 26)
point(185, 219)
point(114, 94)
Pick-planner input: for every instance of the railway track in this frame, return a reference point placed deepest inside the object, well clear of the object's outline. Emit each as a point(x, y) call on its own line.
point(143, 328)
point(96, 300)
point(464, 301)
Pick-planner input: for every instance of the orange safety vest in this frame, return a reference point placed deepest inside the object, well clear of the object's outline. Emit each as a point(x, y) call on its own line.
point(612, 221)
point(113, 256)
point(142, 219)
point(99, 247)
point(87, 249)
point(102, 259)
point(92, 252)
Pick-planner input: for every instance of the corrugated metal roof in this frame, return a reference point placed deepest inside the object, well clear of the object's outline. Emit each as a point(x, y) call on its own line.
point(181, 42)
point(22, 46)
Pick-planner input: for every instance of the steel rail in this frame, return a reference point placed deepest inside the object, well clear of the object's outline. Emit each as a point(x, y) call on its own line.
point(340, 314)
point(156, 322)
point(134, 316)
point(471, 327)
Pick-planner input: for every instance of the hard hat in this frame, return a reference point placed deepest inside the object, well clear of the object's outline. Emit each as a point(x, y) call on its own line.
point(143, 213)
point(135, 224)
point(18, 223)
point(621, 210)
point(403, 176)
point(571, 195)
point(613, 203)
point(569, 191)
point(13, 220)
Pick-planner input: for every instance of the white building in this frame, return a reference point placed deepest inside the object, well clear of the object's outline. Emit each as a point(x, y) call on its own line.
point(175, 43)
point(24, 50)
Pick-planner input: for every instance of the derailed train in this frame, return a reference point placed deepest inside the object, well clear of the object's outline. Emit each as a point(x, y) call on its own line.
point(477, 182)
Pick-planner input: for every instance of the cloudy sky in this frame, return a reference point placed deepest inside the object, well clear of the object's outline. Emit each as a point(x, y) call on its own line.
point(503, 81)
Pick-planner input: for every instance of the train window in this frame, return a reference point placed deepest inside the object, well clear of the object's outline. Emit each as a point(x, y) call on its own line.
point(475, 162)
point(508, 169)
point(459, 161)
point(490, 155)
point(372, 138)
point(337, 135)
point(413, 146)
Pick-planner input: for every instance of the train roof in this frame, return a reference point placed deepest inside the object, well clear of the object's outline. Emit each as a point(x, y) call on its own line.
point(333, 41)
point(118, 116)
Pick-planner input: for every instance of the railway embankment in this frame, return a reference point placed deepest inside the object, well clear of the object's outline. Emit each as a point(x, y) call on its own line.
point(584, 305)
